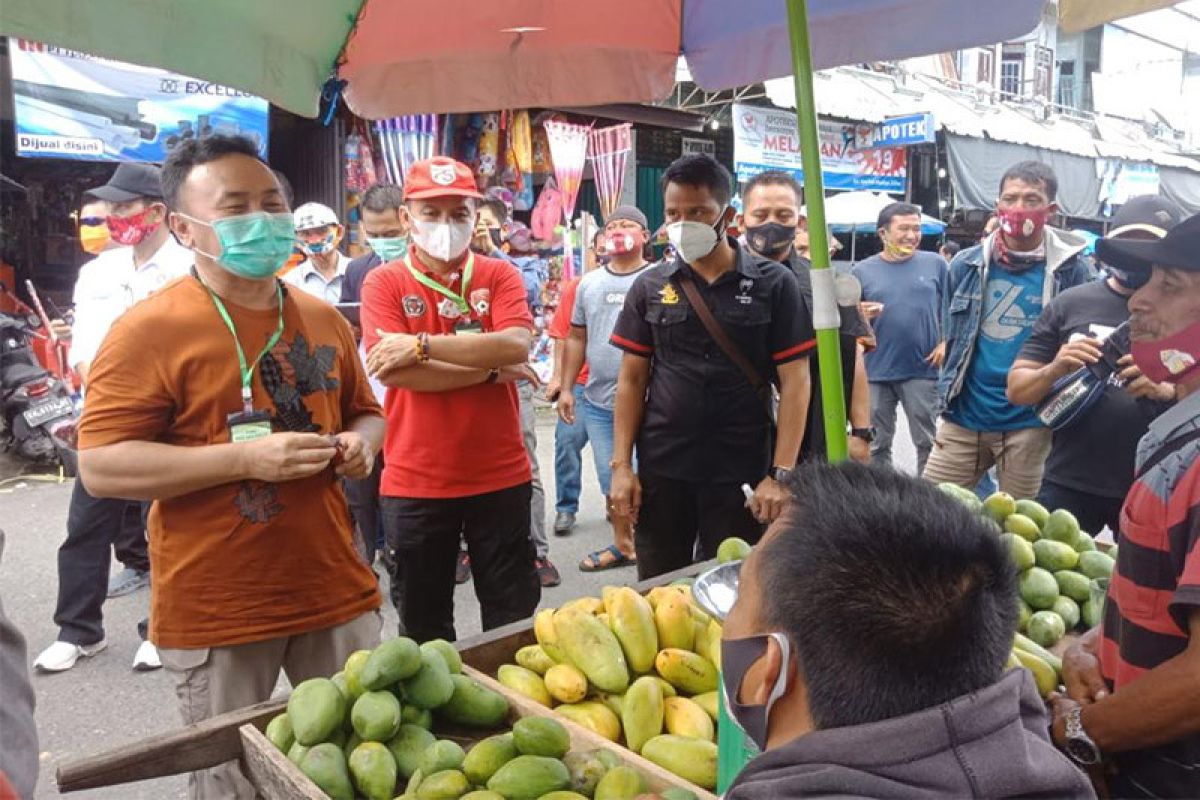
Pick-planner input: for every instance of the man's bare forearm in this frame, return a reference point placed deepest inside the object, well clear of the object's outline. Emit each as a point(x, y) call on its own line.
point(795, 392)
point(573, 358)
point(629, 405)
point(434, 376)
point(1161, 706)
point(1029, 382)
point(156, 471)
point(371, 427)
point(482, 351)
point(860, 402)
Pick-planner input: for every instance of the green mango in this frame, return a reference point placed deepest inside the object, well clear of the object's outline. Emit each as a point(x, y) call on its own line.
point(474, 705)
point(407, 747)
point(442, 755)
point(394, 660)
point(325, 765)
point(447, 651)
point(421, 717)
point(374, 771)
point(530, 777)
point(376, 716)
point(486, 757)
point(431, 687)
point(541, 736)
point(449, 784)
point(316, 709)
point(279, 732)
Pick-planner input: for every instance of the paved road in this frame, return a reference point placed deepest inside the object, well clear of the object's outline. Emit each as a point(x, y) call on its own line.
point(102, 703)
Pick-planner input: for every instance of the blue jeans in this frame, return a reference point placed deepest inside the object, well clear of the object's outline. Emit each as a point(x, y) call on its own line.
point(599, 425)
point(569, 441)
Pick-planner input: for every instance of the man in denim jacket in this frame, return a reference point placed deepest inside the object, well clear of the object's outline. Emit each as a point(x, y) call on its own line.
point(997, 292)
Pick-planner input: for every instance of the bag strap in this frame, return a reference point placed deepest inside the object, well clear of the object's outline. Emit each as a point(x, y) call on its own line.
point(1173, 446)
point(721, 337)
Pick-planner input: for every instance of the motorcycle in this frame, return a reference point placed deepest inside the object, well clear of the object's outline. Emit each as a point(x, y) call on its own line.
point(39, 413)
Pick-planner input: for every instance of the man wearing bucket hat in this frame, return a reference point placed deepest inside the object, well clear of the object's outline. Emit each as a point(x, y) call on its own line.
point(1134, 681)
point(1091, 463)
point(448, 332)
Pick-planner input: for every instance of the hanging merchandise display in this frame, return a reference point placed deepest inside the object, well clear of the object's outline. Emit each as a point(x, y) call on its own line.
point(568, 147)
point(608, 149)
point(404, 141)
point(520, 159)
point(489, 146)
point(359, 160)
point(547, 212)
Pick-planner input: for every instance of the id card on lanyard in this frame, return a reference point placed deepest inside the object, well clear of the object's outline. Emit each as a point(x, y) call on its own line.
point(454, 306)
point(248, 424)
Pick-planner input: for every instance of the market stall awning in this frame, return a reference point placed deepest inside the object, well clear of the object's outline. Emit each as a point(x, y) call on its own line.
point(424, 56)
point(1079, 15)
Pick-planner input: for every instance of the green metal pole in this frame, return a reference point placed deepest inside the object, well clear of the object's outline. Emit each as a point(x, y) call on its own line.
point(825, 312)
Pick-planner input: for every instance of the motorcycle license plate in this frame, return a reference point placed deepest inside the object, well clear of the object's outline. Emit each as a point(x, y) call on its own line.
point(49, 410)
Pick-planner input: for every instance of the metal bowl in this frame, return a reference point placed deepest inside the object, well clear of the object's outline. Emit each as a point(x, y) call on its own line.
point(716, 590)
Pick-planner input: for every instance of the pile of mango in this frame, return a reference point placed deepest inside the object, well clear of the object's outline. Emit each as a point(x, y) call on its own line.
point(640, 671)
point(1056, 560)
point(367, 732)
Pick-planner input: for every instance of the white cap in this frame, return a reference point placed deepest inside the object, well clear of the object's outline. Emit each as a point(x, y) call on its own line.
point(314, 215)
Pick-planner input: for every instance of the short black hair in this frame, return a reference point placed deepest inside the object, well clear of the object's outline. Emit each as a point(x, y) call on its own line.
point(774, 177)
point(382, 197)
point(286, 187)
point(192, 153)
point(893, 210)
point(951, 247)
point(1033, 173)
point(700, 170)
point(896, 597)
point(498, 207)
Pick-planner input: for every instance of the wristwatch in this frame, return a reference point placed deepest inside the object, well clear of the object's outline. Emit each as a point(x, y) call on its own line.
point(780, 474)
point(1080, 746)
point(866, 434)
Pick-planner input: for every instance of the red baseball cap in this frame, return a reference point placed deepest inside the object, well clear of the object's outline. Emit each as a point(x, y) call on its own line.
point(439, 177)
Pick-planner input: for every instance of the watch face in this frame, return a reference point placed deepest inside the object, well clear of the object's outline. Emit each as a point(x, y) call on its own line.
point(1083, 751)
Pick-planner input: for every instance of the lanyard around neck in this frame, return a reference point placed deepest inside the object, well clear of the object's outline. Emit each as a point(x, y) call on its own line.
point(459, 299)
point(247, 369)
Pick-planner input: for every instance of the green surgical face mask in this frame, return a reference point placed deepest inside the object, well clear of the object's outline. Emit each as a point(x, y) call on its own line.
point(253, 246)
point(391, 248)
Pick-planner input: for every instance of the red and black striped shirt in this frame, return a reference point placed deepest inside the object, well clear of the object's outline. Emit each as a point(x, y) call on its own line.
point(1154, 590)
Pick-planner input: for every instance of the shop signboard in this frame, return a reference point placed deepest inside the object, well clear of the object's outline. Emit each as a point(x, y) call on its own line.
point(72, 105)
point(903, 131)
point(766, 139)
point(692, 146)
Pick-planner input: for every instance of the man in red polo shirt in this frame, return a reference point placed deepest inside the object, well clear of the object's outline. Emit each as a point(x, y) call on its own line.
point(448, 332)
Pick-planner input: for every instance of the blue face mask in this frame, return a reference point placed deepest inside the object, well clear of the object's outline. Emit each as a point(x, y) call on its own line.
point(391, 248)
point(253, 246)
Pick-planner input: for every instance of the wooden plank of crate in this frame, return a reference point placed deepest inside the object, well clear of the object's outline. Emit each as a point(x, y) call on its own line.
point(271, 773)
point(657, 778)
point(207, 743)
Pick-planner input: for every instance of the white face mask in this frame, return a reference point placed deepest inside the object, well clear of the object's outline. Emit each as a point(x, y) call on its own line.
point(443, 240)
point(694, 240)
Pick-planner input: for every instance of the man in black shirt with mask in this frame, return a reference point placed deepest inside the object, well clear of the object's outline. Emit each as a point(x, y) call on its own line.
point(1091, 463)
point(770, 216)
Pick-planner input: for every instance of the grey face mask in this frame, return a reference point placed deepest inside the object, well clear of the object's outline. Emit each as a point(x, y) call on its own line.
point(737, 656)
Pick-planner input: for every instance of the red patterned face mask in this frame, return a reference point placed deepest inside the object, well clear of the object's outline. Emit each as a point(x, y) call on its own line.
point(133, 229)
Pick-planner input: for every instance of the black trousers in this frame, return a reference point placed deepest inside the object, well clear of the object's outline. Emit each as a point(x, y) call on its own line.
point(424, 534)
point(95, 526)
point(363, 497)
point(681, 522)
point(1093, 511)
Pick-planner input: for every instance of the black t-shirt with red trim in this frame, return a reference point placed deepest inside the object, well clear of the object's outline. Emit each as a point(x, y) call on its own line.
point(703, 420)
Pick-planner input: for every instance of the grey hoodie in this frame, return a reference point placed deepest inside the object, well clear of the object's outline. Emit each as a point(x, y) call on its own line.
point(989, 744)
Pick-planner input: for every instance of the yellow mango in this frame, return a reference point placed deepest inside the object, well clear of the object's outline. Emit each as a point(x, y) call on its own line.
point(632, 621)
point(684, 717)
point(593, 648)
point(547, 636)
point(524, 681)
point(533, 657)
point(686, 671)
point(595, 716)
point(710, 702)
point(673, 620)
point(566, 684)
point(642, 713)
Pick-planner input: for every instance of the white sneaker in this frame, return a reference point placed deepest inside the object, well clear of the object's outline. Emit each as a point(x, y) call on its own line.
point(146, 659)
point(61, 656)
